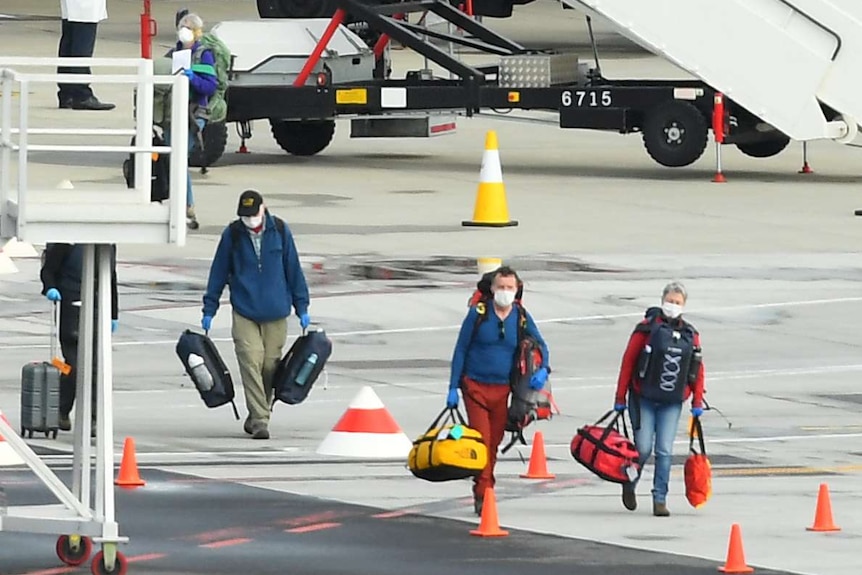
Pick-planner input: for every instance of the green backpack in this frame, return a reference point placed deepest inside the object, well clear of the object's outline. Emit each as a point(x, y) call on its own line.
point(217, 102)
point(217, 107)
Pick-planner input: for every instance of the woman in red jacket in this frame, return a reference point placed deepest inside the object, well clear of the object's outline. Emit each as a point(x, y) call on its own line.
point(662, 367)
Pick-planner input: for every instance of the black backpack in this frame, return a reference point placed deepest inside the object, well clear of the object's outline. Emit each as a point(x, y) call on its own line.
point(300, 367)
point(670, 361)
point(161, 174)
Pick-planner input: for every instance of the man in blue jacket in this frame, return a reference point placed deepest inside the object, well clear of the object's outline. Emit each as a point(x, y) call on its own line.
point(482, 366)
point(257, 258)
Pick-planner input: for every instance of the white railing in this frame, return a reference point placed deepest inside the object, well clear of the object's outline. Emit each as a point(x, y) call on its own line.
point(16, 139)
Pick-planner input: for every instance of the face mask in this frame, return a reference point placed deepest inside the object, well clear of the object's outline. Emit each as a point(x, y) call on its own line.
point(252, 222)
point(185, 35)
point(671, 310)
point(504, 298)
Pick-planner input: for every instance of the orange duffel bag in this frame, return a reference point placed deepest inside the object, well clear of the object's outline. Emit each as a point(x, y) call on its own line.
point(698, 471)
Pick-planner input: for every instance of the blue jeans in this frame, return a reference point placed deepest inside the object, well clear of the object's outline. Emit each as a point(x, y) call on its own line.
point(190, 198)
point(655, 423)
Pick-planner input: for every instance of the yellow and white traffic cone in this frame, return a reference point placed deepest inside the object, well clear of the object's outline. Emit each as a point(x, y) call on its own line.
point(491, 209)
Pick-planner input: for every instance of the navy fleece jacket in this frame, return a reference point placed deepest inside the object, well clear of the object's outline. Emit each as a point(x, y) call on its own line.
point(260, 290)
point(488, 358)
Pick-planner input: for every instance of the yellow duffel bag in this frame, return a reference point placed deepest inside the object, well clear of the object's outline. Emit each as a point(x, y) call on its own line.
point(449, 451)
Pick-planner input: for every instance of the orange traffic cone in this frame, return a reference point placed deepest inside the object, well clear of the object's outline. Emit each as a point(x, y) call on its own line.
point(538, 468)
point(129, 476)
point(491, 209)
point(735, 555)
point(823, 516)
point(489, 526)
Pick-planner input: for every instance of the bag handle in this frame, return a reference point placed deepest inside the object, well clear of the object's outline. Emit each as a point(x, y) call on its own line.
point(696, 429)
point(453, 414)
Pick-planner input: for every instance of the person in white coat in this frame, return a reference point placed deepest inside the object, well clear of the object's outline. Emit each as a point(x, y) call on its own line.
point(78, 40)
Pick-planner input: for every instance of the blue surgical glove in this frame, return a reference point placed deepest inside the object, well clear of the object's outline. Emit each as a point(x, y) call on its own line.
point(207, 322)
point(189, 74)
point(537, 382)
point(53, 295)
point(620, 407)
point(452, 399)
point(115, 323)
point(697, 411)
point(304, 320)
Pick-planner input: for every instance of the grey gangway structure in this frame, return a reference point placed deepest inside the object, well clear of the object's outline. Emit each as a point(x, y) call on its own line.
point(96, 218)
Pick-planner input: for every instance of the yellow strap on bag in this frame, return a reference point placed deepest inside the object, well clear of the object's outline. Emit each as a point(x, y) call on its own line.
point(448, 451)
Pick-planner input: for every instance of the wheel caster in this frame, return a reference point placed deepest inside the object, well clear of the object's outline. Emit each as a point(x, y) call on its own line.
point(74, 550)
point(97, 567)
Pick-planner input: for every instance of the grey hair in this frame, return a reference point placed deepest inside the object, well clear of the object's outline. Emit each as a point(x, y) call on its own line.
point(675, 287)
point(191, 21)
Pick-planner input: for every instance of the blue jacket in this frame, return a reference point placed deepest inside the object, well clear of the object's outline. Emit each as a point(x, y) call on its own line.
point(488, 358)
point(262, 290)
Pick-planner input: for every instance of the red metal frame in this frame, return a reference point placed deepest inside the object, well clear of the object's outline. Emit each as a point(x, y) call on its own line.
point(149, 29)
point(718, 117)
point(314, 58)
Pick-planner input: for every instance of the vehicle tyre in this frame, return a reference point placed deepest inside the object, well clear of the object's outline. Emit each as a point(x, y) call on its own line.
point(303, 138)
point(295, 8)
point(675, 134)
point(763, 148)
point(215, 142)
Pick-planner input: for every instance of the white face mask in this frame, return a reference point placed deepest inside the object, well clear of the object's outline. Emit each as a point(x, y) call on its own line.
point(671, 310)
point(185, 35)
point(252, 222)
point(504, 298)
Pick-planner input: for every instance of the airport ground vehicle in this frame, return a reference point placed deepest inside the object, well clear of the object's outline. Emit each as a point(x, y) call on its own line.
point(301, 88)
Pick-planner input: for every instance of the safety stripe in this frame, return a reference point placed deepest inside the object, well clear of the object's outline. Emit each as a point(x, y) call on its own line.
point(203, 69)
point(367, 421)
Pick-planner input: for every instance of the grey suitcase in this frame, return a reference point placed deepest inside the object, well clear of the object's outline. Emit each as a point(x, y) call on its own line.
point(40, 390)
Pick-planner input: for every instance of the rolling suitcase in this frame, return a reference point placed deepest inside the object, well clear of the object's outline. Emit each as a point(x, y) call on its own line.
point(40, 389)
point(206, 369)
point(300, 367)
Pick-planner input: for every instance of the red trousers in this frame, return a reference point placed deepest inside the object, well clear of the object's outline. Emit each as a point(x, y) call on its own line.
point(487, 406)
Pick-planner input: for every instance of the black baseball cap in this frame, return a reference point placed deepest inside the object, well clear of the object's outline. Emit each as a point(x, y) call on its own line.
point(249, 203)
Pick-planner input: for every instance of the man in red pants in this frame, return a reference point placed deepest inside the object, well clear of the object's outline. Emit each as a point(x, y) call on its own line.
point(482, 366)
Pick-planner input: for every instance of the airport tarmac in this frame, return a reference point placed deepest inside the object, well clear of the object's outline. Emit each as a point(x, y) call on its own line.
point(771, 260)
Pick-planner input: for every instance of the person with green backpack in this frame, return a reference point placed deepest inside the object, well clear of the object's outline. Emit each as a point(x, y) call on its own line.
point(203, 85)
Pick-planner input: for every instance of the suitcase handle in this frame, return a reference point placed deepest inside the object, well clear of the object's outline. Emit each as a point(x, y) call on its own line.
point(55, 331)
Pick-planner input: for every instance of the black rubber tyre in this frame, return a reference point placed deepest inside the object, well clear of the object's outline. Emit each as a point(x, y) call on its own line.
point(215, 142)
point(303, 138)
point(295, 8)
point(73, 557)
point(97, 567)
point(675, 134)
point(765, 148)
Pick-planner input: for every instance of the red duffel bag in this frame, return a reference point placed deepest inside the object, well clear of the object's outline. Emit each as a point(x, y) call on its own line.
point(605, 451)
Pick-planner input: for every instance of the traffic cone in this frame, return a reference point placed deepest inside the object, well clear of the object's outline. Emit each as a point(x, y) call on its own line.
point(823, 516)
point(366, 429)
point(8, 456)
point(485, 265)
point(491, 209)
point(129, 476)
point(17, 249)
point(735, 555)
point(7, 266)
point(489, 525)
point(538, 468)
